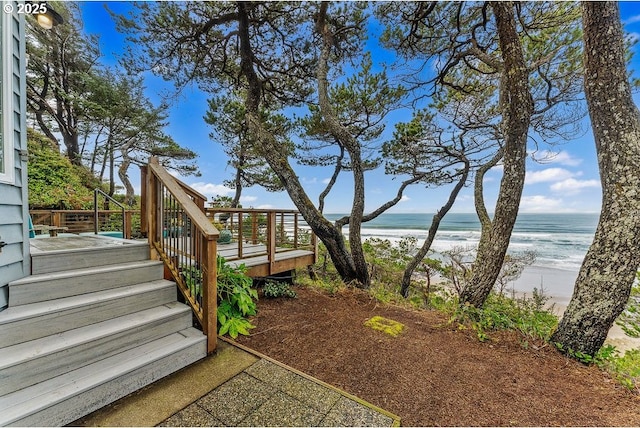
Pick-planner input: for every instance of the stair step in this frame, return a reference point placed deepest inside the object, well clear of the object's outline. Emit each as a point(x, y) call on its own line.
point(65, 398)
point(121, 251)
point(56, 285)
point(28, 322)
point(31, 362)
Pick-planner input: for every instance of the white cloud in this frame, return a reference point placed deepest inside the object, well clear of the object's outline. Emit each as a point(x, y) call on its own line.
point(211, 189)
point(248, 198)
point(549, 174)
point(405, 198)
point(561, 157)
point(632, 20)
point(306, 180)
point(265, 207)
point(572, 186)
point(326, 180)
point(539, 204)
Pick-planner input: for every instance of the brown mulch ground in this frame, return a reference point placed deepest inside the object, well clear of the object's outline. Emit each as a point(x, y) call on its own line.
point(433, 373)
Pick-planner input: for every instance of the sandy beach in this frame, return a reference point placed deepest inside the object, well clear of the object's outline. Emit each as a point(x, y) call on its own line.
point(558, 285)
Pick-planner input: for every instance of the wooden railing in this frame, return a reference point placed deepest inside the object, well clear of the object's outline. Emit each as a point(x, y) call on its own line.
point(276, 230)
point(84, 221)
point(182, 237)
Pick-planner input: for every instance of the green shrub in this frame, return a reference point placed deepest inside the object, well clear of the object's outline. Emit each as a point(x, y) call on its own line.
point(53, 182)
point(237, 300)
point(626, 369)
point(274, 289)
point(524, 315)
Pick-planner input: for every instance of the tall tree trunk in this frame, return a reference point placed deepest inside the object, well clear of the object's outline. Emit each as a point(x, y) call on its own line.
point(129, 198)
point(478, 197)
point(517, 109)
point(45, 128)
point(235, 202)
point(277, 159)
point(73, 147)
point(351, 145)
point(431, 235)
point(608, 270)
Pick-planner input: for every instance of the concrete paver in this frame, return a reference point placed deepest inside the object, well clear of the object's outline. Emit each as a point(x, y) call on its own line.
point(239, 387)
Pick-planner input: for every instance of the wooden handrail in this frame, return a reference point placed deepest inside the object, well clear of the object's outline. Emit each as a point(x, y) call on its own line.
point(183, 199)
point(181, 235)
point(198, 197)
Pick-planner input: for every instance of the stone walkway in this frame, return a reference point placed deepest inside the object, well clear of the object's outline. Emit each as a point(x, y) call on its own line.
point(238, 387)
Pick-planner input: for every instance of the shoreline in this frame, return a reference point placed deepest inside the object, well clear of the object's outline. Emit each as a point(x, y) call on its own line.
point(558, 285)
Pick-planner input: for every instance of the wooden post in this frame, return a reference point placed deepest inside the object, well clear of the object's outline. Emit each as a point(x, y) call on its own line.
point(295, 230)
point(144, 228)
point(240, 239)
point(254, 228)
point(210, 292)
point(127, 224)
point(271, 240)
point(314, 244)
point(55, 218)
point(199, 202)
point(152, 212)
point(282, 234)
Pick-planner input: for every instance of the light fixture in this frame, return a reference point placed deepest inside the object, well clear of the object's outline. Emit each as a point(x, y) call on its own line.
point(48, 17)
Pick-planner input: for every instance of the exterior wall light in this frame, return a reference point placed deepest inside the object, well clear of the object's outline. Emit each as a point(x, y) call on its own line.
point(46, 16)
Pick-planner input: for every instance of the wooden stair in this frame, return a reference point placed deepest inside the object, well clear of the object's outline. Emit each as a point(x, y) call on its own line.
point(88, 327)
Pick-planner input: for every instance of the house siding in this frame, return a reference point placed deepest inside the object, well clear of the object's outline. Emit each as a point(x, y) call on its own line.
point(14, 204)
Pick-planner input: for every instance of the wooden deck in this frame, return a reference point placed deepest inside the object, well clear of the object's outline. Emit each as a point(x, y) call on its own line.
point(256, 258)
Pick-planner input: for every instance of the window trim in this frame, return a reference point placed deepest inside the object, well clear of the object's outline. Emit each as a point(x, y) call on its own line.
point(7, 134)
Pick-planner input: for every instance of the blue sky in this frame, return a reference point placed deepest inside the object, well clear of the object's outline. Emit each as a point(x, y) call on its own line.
point(567, 183)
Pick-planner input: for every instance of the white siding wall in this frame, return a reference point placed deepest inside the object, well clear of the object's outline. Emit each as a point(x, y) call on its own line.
point(14, 258)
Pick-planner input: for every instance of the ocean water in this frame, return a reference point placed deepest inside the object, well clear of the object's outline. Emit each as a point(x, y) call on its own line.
point(559, 240)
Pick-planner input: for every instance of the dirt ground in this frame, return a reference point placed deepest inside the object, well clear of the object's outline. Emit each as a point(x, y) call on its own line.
point(433, 373)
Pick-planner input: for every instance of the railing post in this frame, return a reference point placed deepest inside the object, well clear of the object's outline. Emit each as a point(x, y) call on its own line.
point(144, 229)
point(271, 239)
point(295, 230)
point(128, 215)
point(282, 234)
point(55, 218)
point(240, 239)
point(314, 245)
point(254, 227)
point(210, 293)
point(151, 211)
